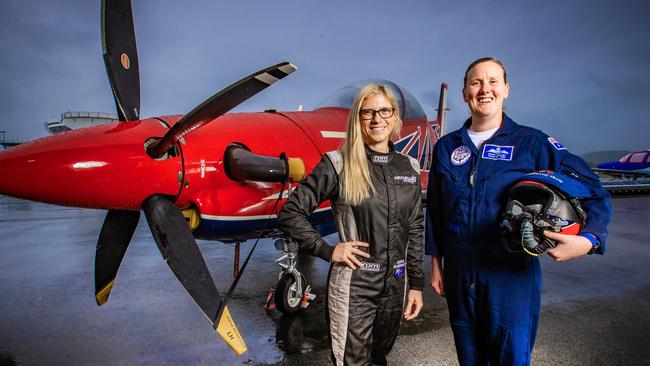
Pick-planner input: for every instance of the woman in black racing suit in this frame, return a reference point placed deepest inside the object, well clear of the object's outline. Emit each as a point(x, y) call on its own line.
point(375, 197)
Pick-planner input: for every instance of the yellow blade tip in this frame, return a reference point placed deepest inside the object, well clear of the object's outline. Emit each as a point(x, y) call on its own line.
point(229, 332)
point(102, 296)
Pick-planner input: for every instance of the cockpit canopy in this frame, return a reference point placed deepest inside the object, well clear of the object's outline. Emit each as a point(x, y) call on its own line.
point(409, 106)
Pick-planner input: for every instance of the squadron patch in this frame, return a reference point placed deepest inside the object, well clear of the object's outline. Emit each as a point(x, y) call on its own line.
point(496, 152)
point(461, 155)
point(556, 144)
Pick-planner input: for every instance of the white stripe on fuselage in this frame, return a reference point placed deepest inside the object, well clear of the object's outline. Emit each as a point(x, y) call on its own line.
point(277, 195)
point(249, 218)
point(333, 134)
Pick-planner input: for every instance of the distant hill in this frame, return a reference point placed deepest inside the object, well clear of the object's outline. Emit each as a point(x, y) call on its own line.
point(598, 157)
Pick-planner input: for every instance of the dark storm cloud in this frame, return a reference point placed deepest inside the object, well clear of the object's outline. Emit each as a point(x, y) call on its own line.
point(578, 69)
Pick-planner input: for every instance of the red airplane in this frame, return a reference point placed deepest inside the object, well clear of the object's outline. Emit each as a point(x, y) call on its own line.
point(206, 175)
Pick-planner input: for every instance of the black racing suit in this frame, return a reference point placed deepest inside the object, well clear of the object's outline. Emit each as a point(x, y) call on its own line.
point(365, 306)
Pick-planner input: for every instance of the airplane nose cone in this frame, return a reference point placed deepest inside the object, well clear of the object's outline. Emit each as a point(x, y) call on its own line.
point(99, 167)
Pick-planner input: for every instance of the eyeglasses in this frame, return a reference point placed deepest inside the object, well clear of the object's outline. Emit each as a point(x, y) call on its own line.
point(370, 113)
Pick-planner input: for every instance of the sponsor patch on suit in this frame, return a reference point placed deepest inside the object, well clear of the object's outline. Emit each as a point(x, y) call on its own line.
point(380, 159)
point(372, 267)
point(496, 152)
point(398, 268)
point(405, 179)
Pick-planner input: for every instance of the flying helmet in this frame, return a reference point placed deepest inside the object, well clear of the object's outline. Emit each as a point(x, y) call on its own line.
point(538, 201)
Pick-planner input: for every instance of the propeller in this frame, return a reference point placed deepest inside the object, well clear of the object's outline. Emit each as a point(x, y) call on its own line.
point(219, 104)
point(179, 249)
point(168, 226)
point(182, 254)
point(114, 238)
point(121, 57)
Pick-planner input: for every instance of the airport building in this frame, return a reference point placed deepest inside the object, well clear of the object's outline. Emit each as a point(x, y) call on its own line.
point(74, 120)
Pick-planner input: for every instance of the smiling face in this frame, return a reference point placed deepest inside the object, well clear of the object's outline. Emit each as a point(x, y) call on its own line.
point(376, 131)
point(484, 92)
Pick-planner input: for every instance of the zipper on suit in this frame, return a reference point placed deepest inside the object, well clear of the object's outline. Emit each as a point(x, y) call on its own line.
point(472, 173)
point(472, 204)
point(390, 207)
point(473, 199)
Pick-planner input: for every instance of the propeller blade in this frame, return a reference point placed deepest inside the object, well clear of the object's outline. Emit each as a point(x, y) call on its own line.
point(114, 238)
point(219, 104)
point(121, 57)
point(182, 254)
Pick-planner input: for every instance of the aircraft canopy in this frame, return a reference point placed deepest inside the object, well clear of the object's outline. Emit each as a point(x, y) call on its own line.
point(409, 106)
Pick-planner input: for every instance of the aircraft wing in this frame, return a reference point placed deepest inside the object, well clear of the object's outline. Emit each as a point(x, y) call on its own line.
point(627, 188)
point(620, 173)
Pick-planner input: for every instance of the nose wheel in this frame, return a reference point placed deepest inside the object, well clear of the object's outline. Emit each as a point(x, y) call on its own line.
point(292, 292)
point(288, 294)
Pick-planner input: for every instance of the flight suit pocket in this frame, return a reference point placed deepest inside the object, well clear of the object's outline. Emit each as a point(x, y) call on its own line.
point(450, 196)
point(449, 190)
point(576, 167)
point(449, 177)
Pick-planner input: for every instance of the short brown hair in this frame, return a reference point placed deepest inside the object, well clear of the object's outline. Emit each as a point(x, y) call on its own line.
point(481, 60)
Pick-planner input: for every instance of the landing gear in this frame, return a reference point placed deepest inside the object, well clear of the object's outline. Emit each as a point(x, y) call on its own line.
point(289, 294)
point(292, 292)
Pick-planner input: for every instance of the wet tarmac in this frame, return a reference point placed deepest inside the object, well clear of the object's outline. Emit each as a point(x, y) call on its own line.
point(596, 310)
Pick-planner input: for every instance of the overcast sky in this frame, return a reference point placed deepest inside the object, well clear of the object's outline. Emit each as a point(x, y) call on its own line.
point(578, 69)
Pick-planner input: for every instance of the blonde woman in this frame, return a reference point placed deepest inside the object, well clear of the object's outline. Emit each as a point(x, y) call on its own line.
point(375, 197)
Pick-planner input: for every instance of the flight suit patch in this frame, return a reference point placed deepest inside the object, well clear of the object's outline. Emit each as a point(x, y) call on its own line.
point(556, 144)
point(461, 155)
point(496, 152)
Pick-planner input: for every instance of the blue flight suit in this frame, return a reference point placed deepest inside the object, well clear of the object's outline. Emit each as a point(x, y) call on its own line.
point(493, 295)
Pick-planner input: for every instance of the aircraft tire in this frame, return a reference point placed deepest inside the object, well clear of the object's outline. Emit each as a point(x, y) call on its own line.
point(287, 299)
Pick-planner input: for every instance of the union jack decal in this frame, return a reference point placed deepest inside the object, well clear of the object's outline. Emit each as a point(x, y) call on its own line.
point(419, 146)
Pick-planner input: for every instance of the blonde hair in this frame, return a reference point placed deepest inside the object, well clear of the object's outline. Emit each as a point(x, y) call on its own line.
point(356, 185)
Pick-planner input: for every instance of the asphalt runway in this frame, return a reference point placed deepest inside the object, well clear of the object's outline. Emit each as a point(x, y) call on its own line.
point(596, 310)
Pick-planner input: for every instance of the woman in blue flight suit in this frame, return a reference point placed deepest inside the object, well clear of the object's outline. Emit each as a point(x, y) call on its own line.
point(493, 295)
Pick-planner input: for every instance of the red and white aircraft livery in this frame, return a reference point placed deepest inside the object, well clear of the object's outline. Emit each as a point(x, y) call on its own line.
point(220, 173)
